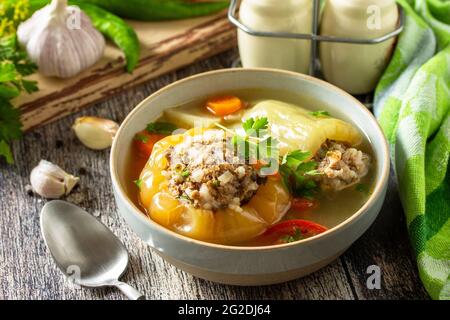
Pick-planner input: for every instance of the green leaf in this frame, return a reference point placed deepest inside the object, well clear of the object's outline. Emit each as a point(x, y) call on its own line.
point(186, 173)
point(9, 91)
point(296, 173)
point(14, 65)
point(320, 113)
point(29, 86)
point(161, 127)
point(10, 124)
point(5, 151)
point(305, 167)
point(7, 71)
point(293, 237)
point(25, 68)
point(286, 177)
point(138, 183)
point(294, 158)
point(142, 138)
point(252, 126)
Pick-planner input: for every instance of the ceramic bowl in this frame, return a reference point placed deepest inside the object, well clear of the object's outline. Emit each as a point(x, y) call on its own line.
point(249, 265)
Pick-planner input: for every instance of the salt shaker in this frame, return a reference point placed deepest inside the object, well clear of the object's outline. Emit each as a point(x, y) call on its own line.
point(357, 68)
point(293, 16)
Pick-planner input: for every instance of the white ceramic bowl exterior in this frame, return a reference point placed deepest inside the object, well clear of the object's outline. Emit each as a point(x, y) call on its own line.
point(249, 265)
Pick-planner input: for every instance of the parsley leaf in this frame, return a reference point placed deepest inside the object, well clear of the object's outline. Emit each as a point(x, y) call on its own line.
point(256, 145)
point(252, 125)
point(138, 183)
point(161, 127)
point(10, 125)
point(142, 138)
point(14, 65)
point(320, 113)
point(293, 237)
point(295, 158)
point(186, 173)
point(296, 172)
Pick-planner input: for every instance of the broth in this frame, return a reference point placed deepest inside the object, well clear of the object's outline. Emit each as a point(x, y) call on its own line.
point(335, 207)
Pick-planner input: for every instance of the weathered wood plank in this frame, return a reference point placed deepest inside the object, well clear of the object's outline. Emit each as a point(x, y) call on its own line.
point(386, 245)
point(166, 46)
point(28, 272)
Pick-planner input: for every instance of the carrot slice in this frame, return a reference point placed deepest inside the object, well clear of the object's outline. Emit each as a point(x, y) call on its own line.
point(144, 142)
point(223, 105)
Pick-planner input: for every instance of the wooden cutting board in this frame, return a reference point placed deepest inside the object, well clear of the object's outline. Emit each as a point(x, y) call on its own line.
point(165, 46)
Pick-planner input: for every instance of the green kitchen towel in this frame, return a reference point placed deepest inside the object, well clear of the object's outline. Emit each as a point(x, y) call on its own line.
point(412, 104)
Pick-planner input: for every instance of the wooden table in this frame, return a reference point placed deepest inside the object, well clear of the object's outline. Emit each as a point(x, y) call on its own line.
point(28, 272)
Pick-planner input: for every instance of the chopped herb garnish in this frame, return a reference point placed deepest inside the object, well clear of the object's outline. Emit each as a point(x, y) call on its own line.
point(363, 188)
point(296, 172)
point(161, 127)
point(255, 144)
point(295, 158)
point(142, 138)
point(138, 183)
point(320, 113)
point(216, 183)
point(184, 197)
point(252, 125)
point(185, 173)
point(293, 237)
point(295, 167)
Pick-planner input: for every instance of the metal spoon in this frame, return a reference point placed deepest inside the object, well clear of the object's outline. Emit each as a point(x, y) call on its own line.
point(79, 242)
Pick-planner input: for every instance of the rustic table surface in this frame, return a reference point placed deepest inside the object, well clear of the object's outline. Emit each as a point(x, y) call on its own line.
point(28, 272)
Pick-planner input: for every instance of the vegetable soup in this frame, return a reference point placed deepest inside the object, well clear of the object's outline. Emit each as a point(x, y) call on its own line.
point(250, 168)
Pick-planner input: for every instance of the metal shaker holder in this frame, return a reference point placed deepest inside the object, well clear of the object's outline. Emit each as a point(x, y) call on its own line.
point(314, 36)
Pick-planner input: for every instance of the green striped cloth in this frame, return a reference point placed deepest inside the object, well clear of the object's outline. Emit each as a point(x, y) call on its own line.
point(412, 104)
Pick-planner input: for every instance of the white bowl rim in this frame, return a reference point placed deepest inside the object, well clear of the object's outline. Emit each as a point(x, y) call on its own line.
point(146, 220)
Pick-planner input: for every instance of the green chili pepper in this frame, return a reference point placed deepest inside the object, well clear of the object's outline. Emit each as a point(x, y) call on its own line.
point(153, 10)
point(111, 26)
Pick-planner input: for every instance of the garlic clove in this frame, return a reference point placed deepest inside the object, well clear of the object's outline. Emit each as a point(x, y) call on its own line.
point(95, 133)
point(50, 181)
point(61, 40)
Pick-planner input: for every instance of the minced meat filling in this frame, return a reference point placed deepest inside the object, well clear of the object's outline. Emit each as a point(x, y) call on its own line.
point(205, 173)
point(340, 165)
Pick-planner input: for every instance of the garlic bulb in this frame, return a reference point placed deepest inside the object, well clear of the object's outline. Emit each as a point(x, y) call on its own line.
point(50, 181)
point(61, 40)
point(95, 133)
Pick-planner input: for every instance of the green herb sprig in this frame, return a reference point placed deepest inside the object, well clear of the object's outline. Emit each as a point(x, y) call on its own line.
point(161, 127)
point(320, 114)
point(297, 171)
point(138, 183)
point(14, 66)
point(296, 236)
point(295, 168)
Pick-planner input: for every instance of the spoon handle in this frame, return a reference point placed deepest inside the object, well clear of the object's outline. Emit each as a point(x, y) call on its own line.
point(129, 291)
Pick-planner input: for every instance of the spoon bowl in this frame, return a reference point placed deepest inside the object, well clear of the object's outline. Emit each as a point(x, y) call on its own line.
point(84, 248)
